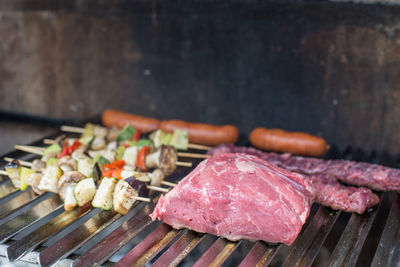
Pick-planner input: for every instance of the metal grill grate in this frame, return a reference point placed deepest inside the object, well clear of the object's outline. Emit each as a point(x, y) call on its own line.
point(35, 230)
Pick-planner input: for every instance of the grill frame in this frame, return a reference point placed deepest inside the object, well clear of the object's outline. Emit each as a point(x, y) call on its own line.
point(100, 235)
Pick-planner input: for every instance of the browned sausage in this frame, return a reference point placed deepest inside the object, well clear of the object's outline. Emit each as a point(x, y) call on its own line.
point(120, 119)
point(204, 134)
point(292, 142)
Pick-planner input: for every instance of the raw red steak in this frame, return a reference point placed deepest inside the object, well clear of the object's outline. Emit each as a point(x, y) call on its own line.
point(239, 196)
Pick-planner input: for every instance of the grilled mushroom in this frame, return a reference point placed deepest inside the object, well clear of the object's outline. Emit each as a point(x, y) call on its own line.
point(38, 165)
point(34, 180)
point(98, 143)
point(100, 131)
point(165, 159)
point(157, 176)
point(67, 163)
point(113, 133)
point(66, 187)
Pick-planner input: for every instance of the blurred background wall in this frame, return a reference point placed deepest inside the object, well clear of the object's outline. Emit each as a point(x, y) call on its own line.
point(327, 68)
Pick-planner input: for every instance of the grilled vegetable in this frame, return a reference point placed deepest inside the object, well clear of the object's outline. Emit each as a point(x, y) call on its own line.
point(157, 176)
point(24, 172)
point(102, 160)
point(124, 197)
point(160, 138)
point(180, 139)
point(125, 193)
point(165, 159)
point(126, 133)
point(52, 148)
point(38, 165)
point(130, 156)
point(119, 154)
point(67, 164)
point(13, 170)
point(144, 142)
point(52, 162)
point(66, 187)
point(34, 180)
point(141, 159)
point(99, 142)
point(141, 176)
point(84, 191)
point(49, 181)
point(85, 166)
point(103, 198)
point(88, 135)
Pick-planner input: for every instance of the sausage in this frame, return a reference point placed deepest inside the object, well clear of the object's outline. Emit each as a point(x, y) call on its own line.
point(292, 142)
point(203, 134)
point(120, 119)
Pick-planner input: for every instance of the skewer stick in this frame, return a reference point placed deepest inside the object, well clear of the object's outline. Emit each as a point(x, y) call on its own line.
point(198, 147)
point(22, 162)
point(183, 164)
point(30, 149)
point(168, 183)
point(3, 172)
point(193, 155)
point(49, 141)
point(72, 129)
point(144, 199)
point(156, 188)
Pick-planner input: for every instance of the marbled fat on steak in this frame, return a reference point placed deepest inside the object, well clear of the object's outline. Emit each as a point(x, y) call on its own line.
point(239, 196)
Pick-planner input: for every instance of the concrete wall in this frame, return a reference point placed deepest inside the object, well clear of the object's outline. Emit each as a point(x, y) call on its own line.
point(330, 69)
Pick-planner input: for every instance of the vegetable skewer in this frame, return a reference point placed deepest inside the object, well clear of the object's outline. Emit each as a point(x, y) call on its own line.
point(180, 154)
point(73, 129)
point(40, 150)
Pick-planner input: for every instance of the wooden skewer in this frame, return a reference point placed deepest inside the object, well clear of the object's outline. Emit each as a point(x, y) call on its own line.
point(168, 183)
point(144, 199)
point(156, 188)
point(49, 141)
point(30, 149)
point(198, 147)
point(73, 129)
point(193, 155)
point(22, 162)
point(3, 172)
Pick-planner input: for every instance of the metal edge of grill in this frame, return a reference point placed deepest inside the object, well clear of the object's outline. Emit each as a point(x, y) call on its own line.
point(35, 230)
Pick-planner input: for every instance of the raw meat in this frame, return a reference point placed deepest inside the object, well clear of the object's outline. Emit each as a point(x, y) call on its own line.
point(239, 196)
point(350, 172)
point(329, 192)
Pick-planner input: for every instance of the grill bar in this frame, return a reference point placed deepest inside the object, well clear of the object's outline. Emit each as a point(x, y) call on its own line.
point(261, 254)
point(31, 241)
point(47, 204)
point(68, 244)
point(175, 254)
point(307, 246)
point(6, 188)
point(388, 251)
point(119, 237)
point(149, 247)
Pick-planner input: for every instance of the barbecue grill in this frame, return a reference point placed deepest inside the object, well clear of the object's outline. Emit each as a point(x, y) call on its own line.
point(35, 230)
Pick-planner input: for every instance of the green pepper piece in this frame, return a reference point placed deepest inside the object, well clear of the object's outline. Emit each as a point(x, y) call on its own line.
point(126, 133)
point(103, 161)
point(53, 148)
point(23, 173)
point(119, 153)
point(144, 142)
point(52, 162)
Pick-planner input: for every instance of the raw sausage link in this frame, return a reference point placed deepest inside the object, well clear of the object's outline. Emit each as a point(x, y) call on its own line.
point(120, 119)
point(204, 134)
point(291, 142)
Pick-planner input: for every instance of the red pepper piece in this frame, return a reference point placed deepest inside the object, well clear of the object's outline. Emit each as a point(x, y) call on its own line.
point(136, 136)
point(64, 152)
point(75, 145)
point(115, 173)
point(141, 160)
point(118, 164)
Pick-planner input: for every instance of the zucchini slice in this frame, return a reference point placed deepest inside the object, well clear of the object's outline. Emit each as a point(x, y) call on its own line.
point(84, 191)
point(124, 197)
point(103, 198)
